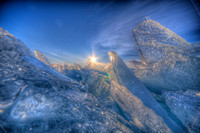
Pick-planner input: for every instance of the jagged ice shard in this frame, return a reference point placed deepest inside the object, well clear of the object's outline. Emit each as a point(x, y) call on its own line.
point(136, 101)
point(41, 57)
point(168, 62)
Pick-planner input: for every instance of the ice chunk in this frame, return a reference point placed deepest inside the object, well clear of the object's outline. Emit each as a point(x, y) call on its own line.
point(154, 41)
point(136, 100)
point(168, 62)
point(169, 65)
point(185, 105)
point(41, 57)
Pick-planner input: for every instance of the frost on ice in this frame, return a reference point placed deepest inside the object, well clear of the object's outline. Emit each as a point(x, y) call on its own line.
point(169, 67)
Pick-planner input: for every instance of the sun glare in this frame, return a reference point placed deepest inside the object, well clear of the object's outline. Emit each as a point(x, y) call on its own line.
point(93, 59)
point(110, 58)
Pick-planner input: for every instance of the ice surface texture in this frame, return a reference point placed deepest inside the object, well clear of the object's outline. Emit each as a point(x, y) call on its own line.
point(168, 62)
point(185, 105)
point(169, 66)
point(136, 101)
point(36, 98)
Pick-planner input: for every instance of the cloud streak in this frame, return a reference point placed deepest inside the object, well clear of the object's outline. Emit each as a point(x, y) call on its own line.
point(60, 56)
point(116, 32)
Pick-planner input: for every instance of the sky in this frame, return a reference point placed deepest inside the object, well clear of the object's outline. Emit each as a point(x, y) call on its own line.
point(69, 31)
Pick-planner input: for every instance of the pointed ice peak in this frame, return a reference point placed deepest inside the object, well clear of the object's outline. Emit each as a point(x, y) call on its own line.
point(127, 90)
point(115, 59)
point(146, 18)
point(113, 56)
point(41, 57)
point(5, 32)
point(155, 41)
point(122, 73)
point(151, 31)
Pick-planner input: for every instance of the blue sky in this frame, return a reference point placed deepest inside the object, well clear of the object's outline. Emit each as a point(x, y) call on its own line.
point(69, 31)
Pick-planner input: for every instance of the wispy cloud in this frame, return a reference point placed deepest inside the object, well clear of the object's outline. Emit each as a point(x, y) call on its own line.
point(116, 32)
point(61, 56)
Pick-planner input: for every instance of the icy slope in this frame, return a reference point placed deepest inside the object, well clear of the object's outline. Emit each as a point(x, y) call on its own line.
point(14, 43)
point(136, 101)
point(41, 57)
point(36, 98)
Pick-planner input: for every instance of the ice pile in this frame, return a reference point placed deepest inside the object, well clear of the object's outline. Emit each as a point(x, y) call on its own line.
point(169, 67)
point(36, 98)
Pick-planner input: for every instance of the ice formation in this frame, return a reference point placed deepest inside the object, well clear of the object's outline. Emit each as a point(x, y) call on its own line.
point(40, 56)
point(36, 98)
point(169, 67)
point(168, 62)
point(185, 105)
point(136, 101)
point(161, 95)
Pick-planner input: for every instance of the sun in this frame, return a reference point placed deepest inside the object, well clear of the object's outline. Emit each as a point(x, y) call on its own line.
point(93, 59)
